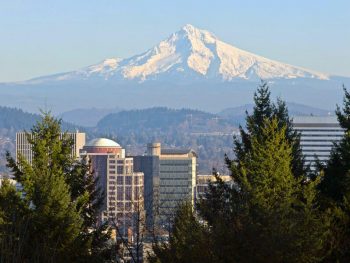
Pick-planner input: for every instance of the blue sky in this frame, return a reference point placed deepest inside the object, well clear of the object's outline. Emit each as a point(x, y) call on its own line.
point(43, 37)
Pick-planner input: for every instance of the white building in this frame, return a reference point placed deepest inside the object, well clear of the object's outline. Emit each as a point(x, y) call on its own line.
point(318, 135)
point(24, 148)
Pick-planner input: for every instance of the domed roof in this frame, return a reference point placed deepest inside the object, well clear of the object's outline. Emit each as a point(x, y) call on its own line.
point(102, 142)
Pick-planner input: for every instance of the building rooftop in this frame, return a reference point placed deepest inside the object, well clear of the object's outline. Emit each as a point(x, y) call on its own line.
point(315, 119)
point(102, 142)
point(173, 151)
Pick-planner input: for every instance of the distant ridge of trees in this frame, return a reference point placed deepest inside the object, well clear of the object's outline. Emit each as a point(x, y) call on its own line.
point(16, 119)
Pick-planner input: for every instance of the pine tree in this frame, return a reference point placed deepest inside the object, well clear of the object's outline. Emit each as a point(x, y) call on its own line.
point(335, 187)
point(188, 241)
point(267, 215)
point(265, 109)
point(336, 182)
point(60, 199)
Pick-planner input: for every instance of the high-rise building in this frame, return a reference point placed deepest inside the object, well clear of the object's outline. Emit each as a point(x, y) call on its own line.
point(170, 179)
point(318, 135)
point(122, 187)
point(24, 148)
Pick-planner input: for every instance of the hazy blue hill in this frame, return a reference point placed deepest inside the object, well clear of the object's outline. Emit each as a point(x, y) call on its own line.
point(16, 119)
point(206, 133)
point(237, 114)
point(162, 119)
point(88, 117)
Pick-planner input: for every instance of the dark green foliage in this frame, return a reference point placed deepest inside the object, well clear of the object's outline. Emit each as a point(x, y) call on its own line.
point(58, 203)
point(267, 215)
point(335, 187)
point(188, 241)
point(336, 181)
point(265, 109)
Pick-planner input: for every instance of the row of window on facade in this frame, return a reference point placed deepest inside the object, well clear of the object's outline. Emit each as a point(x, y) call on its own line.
point(125, 193)
point(125, 180)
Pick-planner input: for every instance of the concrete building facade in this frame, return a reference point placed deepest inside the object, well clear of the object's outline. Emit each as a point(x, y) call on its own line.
point(170, 179)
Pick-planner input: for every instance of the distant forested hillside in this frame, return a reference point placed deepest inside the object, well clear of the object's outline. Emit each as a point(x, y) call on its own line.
point(208, 134)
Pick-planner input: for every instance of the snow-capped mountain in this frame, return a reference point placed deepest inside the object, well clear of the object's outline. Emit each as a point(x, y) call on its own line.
point(190, 53)
point(192, 68)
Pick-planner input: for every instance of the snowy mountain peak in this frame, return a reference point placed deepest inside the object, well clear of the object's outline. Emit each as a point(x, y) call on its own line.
point(199, 34)
point(192, 54)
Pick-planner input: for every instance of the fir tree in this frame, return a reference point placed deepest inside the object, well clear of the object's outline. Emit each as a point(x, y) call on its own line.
point(61, 201)
point(267, 215)
point(265, 109)
point(335, 187)
point(188, 240)
point(336, 182)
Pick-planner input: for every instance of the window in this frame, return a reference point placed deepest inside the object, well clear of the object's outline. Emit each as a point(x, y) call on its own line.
point(137, 193)
point(127, 206)
point(120, 169)
point(128, 193)
point(112, 167)
point(120, 193)
point(120, 180)
point(120, 206)
point(128, 180)
point(112, 172)
point(111, 161)
point(120, 162)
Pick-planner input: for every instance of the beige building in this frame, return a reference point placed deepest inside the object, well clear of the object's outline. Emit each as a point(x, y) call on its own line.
point(122, 187)
point(24, 148)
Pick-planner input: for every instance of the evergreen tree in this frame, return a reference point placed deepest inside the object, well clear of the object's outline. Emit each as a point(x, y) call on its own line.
point(335, 187)
point(60, 200)
point(188, 241)
point(336, 182)
point(265, 109)
point(267, 215)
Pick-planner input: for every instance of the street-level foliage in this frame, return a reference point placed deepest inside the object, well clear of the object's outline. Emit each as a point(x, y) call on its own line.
point(51, 215)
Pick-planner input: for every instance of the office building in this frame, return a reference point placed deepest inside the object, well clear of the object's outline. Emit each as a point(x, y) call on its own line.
point(170, 179)
point(24, 148)
point(122, 187)
point(318, 135)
